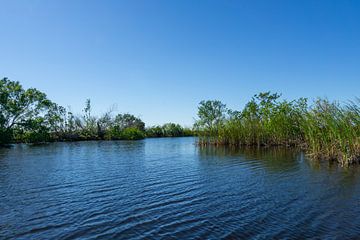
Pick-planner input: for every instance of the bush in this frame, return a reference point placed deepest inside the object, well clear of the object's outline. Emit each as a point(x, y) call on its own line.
point(132, 134)
point(168, 130)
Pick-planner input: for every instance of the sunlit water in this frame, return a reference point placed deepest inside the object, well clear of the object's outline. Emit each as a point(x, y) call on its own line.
point(171, 189)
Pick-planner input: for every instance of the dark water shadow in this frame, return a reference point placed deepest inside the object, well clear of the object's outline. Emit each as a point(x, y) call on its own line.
point(272, 159)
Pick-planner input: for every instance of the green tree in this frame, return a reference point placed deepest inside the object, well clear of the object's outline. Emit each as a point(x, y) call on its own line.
point(154, 131)
point(172, 130)
point(123, 121)
point(18, 106)
point(212, 114)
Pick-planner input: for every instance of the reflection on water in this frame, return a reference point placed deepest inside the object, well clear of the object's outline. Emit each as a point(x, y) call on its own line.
point(170, 188)
point(271, 159)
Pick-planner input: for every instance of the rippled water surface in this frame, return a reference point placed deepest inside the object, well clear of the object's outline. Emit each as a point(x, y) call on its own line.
point(171, 189)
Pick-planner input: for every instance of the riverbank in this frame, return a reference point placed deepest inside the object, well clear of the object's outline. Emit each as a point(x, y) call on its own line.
point(28, 116)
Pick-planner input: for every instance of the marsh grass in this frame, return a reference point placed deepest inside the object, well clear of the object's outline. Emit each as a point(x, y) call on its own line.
point(326, 130)
point(331, 131)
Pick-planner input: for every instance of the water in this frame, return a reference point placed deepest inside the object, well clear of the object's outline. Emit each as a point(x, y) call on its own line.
point(171, 189)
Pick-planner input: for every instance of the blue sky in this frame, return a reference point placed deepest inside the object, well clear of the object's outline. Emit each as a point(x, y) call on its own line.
point(159, 59)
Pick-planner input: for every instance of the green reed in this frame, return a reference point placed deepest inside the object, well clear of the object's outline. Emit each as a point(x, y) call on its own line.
point(325, 129)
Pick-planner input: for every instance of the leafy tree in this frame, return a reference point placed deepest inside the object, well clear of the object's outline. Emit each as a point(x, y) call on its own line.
point(212, 114)
point(123, 121)
point(172, 130)
point(155, 131)
point(36, 131)
point(18, 106)
point(55, 119)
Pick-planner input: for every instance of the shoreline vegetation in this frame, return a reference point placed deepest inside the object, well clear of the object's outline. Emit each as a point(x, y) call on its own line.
point(28, 116)
point(325, 130)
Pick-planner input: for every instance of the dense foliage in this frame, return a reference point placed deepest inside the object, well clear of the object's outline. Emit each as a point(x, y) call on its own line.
point(326, 129)
point(27, 115)
point(168, 130)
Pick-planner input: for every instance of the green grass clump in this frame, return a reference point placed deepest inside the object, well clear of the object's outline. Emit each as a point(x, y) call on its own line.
point(326, 130)
point(332, 131)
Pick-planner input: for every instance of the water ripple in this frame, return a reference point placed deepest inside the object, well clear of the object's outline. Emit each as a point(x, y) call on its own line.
point(171, 189)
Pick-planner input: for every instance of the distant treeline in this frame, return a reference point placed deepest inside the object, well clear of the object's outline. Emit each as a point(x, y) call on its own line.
point(169, 130)
point(327, 130)
point(27, 115)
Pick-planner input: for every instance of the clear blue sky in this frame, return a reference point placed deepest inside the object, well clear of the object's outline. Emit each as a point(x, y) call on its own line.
point(158, 59)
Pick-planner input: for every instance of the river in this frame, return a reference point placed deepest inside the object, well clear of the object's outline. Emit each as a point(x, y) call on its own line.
point(169, 188)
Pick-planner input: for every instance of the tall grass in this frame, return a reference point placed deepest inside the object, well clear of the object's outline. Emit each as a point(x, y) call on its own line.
point(327, 130)
point(332, 131)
